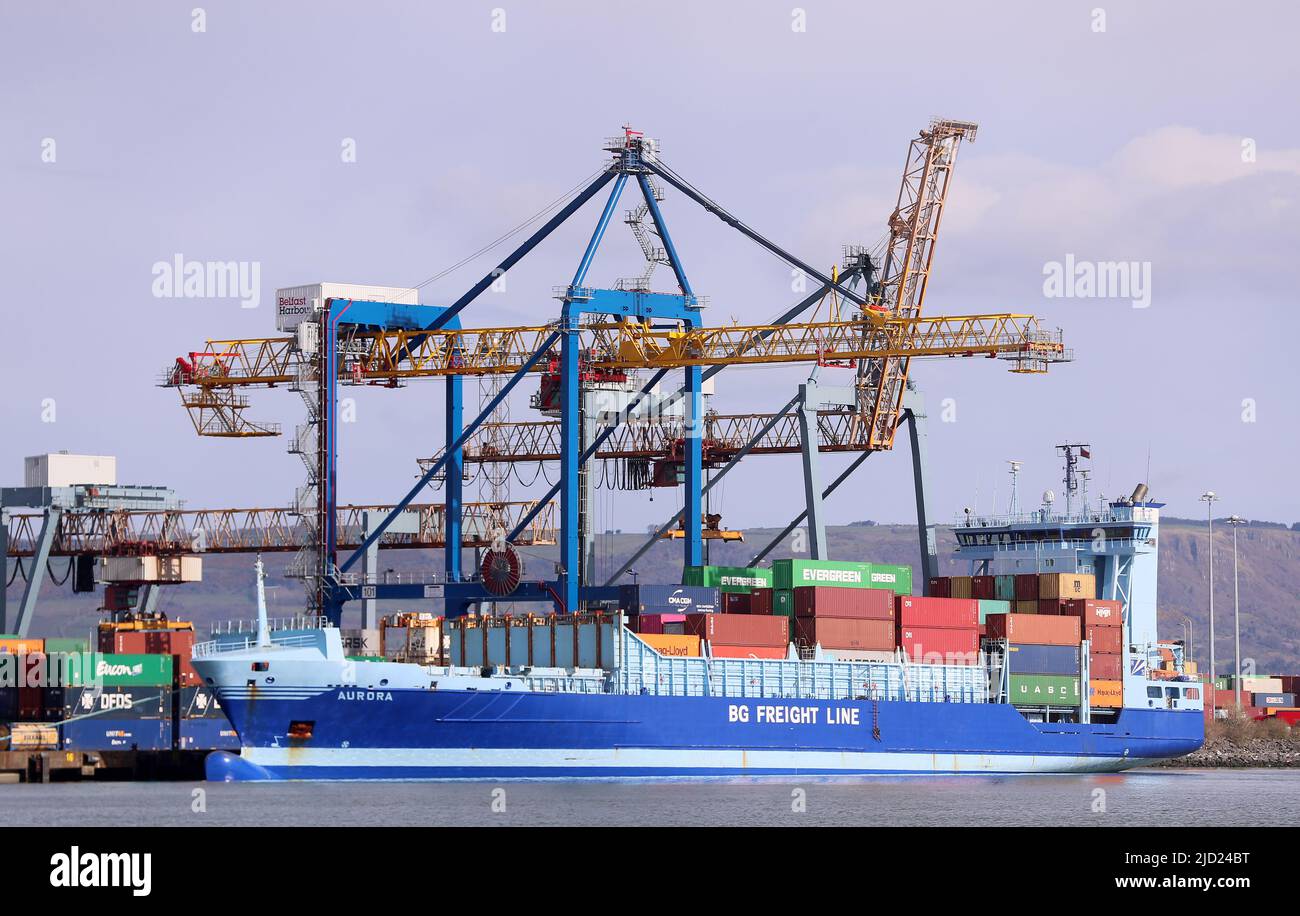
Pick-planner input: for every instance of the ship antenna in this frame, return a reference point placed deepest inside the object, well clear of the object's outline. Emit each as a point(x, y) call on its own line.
point(263, 628)
point(1015, 472)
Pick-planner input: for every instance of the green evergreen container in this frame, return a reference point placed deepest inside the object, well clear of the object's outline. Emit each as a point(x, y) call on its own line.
point(736, 580)
point(793, 573)
point(1044, 690)
point(66, 644)
point(993, 606)
point(783, 602)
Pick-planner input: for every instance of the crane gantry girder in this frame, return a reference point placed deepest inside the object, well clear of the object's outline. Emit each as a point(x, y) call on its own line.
point(163, 531)
point(391, 356)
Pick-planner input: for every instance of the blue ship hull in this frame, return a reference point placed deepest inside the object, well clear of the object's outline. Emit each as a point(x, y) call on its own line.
point(358, 733)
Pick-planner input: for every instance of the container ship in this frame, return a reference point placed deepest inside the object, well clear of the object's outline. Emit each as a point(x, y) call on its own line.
point(1043, 660)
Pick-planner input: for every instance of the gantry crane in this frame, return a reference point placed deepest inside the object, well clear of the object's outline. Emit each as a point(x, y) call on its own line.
point(615, 330)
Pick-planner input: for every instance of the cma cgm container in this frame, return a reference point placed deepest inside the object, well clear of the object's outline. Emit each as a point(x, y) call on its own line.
point(740, 629)
point(1035, 628)
point(826, 601)
point(668, 599)
point(101, 733)
point(1094, 612)
point(733, 579)
point(1044, 690)
point(845, 633)
point(1032, 659)
point(940, 645)
point(938, 612)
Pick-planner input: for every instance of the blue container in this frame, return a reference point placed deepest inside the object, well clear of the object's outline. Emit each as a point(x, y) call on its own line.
point(1023, 658)
point(100, 733)
point(198, 703)
point(206, 734)
point(669, 599)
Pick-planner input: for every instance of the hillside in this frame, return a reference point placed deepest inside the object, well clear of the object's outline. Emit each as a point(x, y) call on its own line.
point(1269, 568)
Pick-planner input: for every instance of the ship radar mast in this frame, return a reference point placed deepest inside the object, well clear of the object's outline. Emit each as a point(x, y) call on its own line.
point(1015, 472)
point(1072, 452)
point(263, 627)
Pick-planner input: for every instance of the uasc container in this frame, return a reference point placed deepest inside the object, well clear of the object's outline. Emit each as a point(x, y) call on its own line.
point(1044, 690)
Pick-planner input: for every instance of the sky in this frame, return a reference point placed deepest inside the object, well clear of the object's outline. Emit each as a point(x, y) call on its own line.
point(1161, 135)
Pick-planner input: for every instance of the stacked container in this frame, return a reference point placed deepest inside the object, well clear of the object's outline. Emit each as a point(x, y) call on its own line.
point(669, 599)
point(790, 574)
point(848, 623)
point(1042, 657)
point(939, 630)
point(1103, 627)
point(740, 580)
point(119, 701)
point(741, 635)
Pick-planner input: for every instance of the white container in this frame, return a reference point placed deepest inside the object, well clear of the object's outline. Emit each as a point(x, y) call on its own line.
point(187, 568)
point(295, 303)
point(59, 469)
point(361, 642)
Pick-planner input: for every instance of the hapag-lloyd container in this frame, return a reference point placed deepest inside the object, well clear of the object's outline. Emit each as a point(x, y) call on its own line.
point(940, 645)
point(1044, 690)
point(1094, 612)
point(1106, 694)
point(1045, 630)
point(845, 633)
point(828, 601)
point(938, 612)
point(671, 645)
point(1106, 640)
point(1033, 659)
point(740, 629)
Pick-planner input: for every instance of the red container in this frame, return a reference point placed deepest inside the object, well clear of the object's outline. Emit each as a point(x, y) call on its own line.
point(1290, 683)
point(735, 603)
point(1106, 640)
point(659, 624)
point(963, 613)
point(760, 601)
point(1226, 699)
point(983, 587)
point(940, 587)
point(1038, 629)
point(1094, 612)
point(858, 603)
point(1106, 667)
point(721, 651)
point(1027, 587)
point(740, 629)
point(1050, 605)
point(845, 633)
point(177, 643)
point(940, 645)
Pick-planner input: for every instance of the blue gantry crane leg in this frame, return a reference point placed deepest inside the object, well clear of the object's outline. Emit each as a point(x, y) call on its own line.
point(453, 491)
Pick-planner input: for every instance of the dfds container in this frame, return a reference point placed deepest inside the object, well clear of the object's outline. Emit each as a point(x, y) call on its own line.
point(1106, 667)
point(199, 703)
point(938, 612)
point(1044, 690)
point(940, 645)
point(661, 623)
point(100, 733)
point(206, 735)
point(671, 645)
point(1106, 694)
point(845, 633)
point(1035, 628)
point(139, 702)
point(1067, 585)
point(728, 579)
point(862, 603)
point(669, 599)
point(1106, 640)
point(1094, 612)
point(739, 629)
point(1031, 659)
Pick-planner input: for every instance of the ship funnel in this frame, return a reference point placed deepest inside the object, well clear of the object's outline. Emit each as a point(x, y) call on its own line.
point(263, 627)
point(1139, 494)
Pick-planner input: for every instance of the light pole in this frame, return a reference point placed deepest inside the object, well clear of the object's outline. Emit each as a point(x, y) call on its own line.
point(1209, 498)
point(1187, 638)
point(1236, 521)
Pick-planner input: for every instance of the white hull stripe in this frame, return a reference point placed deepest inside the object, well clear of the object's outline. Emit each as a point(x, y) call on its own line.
point(653, 759)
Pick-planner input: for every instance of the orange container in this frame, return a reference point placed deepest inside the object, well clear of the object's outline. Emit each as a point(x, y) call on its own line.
point(746, 651)
point(14, 645)
point(1067, 585)
point(1106, 694)
point(672, 645)
point(1036, 629)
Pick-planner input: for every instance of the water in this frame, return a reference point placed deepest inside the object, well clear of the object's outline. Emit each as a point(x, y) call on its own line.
point(1157, 798)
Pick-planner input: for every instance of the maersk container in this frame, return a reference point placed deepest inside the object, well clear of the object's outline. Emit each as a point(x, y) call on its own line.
point(1044, 690)
point(206, 734)
point(1035, 628)
point(1004, 588)
point(669, 599)
point(828, 601)
point(739, 629)
point(1022, 658)
point(101, 733)
point(728, 579)
point(940, 645)
point(845, 633)
point(962, 613)
point(993, 606)
point(1106, 640)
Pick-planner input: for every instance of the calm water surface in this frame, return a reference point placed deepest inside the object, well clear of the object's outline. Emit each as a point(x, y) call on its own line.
point(1138, 798)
